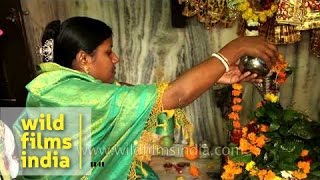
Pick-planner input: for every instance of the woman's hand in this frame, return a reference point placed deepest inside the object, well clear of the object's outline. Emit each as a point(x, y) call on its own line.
point(234, 75)
point(194, 82)
point(254, 46)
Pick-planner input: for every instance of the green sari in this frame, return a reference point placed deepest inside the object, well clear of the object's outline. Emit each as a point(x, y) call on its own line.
point(119, 115)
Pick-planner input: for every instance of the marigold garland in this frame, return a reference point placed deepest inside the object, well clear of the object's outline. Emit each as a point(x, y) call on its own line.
point(250, 15)
point(234, 115)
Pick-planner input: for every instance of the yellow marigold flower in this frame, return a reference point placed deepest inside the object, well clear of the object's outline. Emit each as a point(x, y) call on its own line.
point(245, 16)
point(269, 13)
point(237, 86)
point(299, 175)
point(277, 178)
point(255, 18)
point(237, 100)
point(249, 11)
point(236, 108)
point(274, 8)
point(242, 7)
point(304, 166)
point(250, 165)
point(271, 97)
point(262, 17)
point(304, 153)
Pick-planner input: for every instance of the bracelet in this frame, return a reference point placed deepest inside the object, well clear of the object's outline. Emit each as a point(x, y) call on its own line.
point(223, 60)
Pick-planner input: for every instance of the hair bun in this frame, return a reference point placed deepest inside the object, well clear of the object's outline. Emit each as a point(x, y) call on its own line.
point(51, 31)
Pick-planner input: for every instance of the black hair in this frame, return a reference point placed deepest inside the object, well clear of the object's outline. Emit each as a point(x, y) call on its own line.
point(75, 34)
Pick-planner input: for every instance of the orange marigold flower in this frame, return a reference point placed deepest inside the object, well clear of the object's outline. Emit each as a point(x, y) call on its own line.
point(227, 176)
point(237, 86)
point(280, 65)
point(244, 145)
point(264, 128)
point(305, 166)
point(253, 172)
point(231, 169)
point(236, 92)
point(234, 116)
point(304, 153)
point(236, 108)
point(244, 131)
point(299, 175)
point(252, 137)
point(237, 170)
point(236, 124)
point(261, 141)
point(262, 173)
point(255, 150)
point(237, 100)
point(270, 175)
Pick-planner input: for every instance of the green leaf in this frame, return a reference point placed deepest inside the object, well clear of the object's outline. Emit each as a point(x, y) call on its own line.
point(260, 112)
point(242, 158)
point(274, 126)
point(273, 115)
point(284, 130)
point(302, 129)
point(251, 115)
point(290, 151)
point(315, 173)
point(290, 115)
point(288, 166)
point(314, 165)
point(254, 178)
point(270, 159)
point(234, 151)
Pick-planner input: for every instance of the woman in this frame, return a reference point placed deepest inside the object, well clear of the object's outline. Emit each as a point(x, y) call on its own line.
point(81, 70)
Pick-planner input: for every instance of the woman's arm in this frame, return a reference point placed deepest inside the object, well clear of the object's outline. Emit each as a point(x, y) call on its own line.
point(194, 82)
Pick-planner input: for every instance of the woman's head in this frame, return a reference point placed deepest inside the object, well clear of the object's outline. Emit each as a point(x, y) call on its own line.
point(84, 44)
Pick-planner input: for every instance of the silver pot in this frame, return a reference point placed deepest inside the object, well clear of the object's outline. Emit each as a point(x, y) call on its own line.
point(254, 65)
